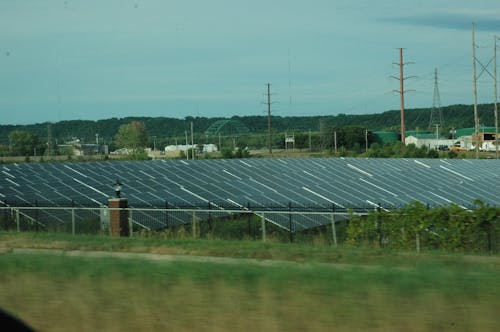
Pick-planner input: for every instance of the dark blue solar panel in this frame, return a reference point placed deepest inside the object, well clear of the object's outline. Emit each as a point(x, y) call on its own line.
point(263, 183)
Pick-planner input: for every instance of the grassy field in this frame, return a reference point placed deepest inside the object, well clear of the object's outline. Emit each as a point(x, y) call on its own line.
point(248, 286)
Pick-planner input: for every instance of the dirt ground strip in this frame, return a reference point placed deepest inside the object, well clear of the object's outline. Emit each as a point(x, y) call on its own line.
point(173, 258)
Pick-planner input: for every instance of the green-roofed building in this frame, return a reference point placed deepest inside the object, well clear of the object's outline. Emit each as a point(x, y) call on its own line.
point(426, 136)
point(418, 132)
point(470, 131)
point(383, 137)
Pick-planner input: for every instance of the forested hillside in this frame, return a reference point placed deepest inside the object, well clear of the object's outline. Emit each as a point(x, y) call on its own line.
point(457, 116)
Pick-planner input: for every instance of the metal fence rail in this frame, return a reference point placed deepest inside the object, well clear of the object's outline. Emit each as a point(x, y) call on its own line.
point(92, 220)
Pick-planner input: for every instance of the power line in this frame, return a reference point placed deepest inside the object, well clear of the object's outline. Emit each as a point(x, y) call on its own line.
point(436, 111)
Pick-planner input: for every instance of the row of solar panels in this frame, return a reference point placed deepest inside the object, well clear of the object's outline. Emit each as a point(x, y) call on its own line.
point(259, 183)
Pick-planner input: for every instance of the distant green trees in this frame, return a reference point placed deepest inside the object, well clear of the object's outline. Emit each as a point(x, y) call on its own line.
point(24, 143)
point(238, 153)
point(350, 138)
point(396, 150)
point(457, 116)
point(317, 132)
point(133, 137)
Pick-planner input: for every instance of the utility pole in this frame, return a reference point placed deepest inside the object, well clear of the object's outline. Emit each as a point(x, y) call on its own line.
point(495, 93)
point(402, 92)
point(269, 117)
point(187, 144)
point(437, 135)
point(97, 143)
point(335, 141)
point(476, 118)
point(310, 141)
point(192, 141)
point(220, 146)
point(366, 140)
point(49, 139)
point(289, 83)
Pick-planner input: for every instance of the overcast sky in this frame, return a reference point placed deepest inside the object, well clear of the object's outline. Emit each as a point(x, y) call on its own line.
point(65, 60)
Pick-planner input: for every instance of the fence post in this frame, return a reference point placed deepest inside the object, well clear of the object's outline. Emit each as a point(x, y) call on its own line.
point(130, 223)
point(290, 220)
point(118, 217)
point(379, 226)
point(334, 231)
point(73, 221)
point(249, 219)
point(6, 216)
point(166, 213)
point(36, 215)
point(17, 220)
point(263, 227)
point(193, 224)
point(209, 217)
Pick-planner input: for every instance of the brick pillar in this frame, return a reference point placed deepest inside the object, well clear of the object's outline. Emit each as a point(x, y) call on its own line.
point(118, 219)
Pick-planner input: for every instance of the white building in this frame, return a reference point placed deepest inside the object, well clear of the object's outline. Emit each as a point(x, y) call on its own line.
point(180, 147)
point(429, 140)
point(206, 148)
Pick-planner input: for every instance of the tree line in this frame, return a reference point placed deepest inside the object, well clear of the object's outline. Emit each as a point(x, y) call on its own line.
point(348, 132)
point(456, 116)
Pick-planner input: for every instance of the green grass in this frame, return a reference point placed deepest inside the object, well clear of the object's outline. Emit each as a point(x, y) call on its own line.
point(51, 292)
point(364, 290)
point(296, 252)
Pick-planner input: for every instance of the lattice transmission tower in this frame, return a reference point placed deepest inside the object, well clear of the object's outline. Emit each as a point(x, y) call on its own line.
point(436, 118)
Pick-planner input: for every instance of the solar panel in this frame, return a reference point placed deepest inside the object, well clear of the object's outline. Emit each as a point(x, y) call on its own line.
point(258, 183)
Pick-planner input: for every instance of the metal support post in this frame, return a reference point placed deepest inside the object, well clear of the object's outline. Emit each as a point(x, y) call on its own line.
point(5, 217)
point(166, 213)
point(379, 226)
point(73, 221)
point(130, 223)
point(17, 220)
point(290, 220)
point(36, 215)
point(263, 227)
point(209, 217)
point(250, 223)
point(334, 231)
point(193, 224)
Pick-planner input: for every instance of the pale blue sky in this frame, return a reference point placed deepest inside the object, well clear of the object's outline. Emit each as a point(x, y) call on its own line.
point(64, 60)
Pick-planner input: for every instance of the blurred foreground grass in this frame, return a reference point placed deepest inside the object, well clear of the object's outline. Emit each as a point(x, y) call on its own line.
point(374, 290)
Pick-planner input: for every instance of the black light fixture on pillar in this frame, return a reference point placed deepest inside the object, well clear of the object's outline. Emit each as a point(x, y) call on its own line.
point(118, 188)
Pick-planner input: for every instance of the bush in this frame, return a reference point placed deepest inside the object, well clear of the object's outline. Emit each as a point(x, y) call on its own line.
point(433, 154)
point(450, 228)
point(227, 154)
point(452, 154)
